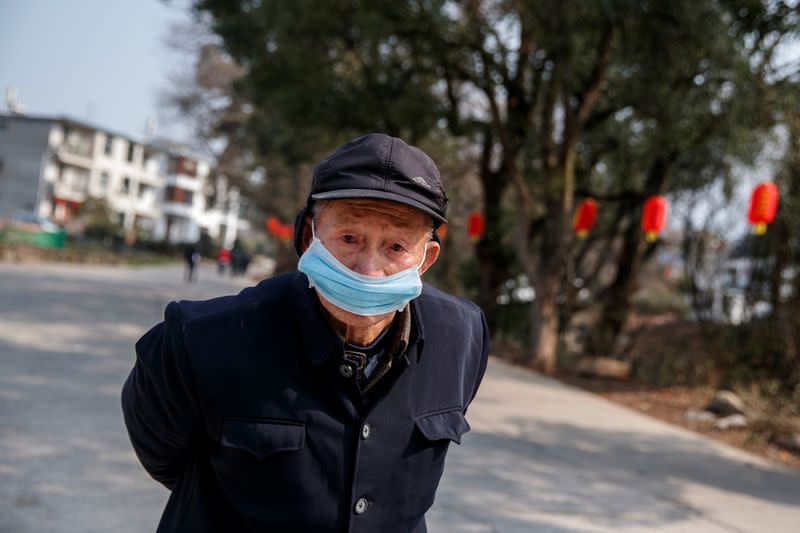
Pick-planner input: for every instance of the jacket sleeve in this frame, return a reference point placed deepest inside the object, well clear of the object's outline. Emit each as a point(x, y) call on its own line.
point(484, 357)
point(158, 401)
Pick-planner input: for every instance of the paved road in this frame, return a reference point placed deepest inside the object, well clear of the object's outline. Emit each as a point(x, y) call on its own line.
point(540, 456)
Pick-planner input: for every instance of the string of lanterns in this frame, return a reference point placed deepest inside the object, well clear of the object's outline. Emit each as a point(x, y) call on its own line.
point(763, 206)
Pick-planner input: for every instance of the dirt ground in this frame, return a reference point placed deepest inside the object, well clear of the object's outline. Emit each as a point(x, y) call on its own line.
point(670, 405)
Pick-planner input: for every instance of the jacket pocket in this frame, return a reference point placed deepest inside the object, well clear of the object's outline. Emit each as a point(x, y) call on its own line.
point(262, 438)
point(443, 425)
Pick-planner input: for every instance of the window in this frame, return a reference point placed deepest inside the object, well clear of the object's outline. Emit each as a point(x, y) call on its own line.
point(80, 180)
point(104, 179)
point(1, 167)
point(177, 195)
point(147, 157)
point(78, 141)
point(109, 146)
point(183, 165)
point(211, 196)
point(126, 186)
point(131, 148)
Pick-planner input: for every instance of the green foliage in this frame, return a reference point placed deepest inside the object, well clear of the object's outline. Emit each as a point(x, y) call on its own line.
point(99, 222)
point(644, 97)
point(659, 297)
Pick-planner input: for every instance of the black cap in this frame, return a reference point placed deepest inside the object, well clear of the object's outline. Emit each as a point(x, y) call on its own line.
point(385, 168)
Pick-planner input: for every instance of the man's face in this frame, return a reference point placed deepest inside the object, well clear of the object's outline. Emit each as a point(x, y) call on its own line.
point(374, 238)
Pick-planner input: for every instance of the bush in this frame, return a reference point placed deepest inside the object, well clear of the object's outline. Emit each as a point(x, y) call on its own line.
point(98, 220)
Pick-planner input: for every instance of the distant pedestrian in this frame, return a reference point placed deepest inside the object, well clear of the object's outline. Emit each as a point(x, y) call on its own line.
point(223, 260)
point(191, 257)
point(239, 260)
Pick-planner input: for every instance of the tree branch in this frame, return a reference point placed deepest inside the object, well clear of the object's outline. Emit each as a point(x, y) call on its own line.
point(597, 81)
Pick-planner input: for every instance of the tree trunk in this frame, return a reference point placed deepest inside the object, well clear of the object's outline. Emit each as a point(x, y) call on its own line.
point(781, 239)
point(545, 336)
point(603, 341)
point(493, 259)
point(615, 311)
point(547, 282)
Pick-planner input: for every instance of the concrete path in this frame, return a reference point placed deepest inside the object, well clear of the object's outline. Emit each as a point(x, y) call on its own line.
point(540, 456)
point(544, 457)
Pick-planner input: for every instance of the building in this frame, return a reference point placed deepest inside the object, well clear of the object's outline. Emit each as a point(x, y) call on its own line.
point(51, 165)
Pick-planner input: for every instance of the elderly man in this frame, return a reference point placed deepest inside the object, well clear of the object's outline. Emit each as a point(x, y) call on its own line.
point(323, 400)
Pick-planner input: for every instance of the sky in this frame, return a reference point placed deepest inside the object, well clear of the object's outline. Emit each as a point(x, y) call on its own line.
point(103, 61)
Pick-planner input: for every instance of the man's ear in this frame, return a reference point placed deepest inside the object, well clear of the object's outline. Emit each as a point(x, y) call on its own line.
point(301, 223)
point(431, 255)
point(306, 236)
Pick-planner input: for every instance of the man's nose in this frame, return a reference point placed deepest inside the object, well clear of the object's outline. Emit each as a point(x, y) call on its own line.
point(369, 264)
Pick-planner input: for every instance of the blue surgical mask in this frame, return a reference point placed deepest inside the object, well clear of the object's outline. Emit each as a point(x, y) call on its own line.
point(354, 292)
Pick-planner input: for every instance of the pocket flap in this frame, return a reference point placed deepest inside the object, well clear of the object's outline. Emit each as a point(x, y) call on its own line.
point(263, 438)
point(449, 424)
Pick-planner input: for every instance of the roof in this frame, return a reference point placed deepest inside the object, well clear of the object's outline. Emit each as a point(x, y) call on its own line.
point(160, 144)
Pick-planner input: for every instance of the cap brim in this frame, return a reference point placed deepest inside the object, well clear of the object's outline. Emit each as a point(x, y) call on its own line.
point(378, 195)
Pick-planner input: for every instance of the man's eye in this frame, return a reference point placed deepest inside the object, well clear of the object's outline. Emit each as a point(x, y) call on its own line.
point(398, 247)
point(349, 239)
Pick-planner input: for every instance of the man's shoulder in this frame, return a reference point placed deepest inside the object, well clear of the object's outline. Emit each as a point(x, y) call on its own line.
point(269, 291)
point(443, 304)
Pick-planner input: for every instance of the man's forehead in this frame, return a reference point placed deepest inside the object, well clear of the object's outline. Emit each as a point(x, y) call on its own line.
point(355, 209)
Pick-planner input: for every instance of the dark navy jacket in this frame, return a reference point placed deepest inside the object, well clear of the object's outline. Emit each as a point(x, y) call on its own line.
point(232, 404)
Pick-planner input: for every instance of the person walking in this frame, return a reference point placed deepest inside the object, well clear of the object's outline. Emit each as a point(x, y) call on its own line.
point(223, 260)
point(191, 258)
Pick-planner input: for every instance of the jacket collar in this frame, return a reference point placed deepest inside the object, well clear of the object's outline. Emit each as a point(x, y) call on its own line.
point(319, 339)
point(417, 337)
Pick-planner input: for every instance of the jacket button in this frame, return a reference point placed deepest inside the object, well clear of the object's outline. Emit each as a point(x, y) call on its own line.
point(365, 431)
point(346, 371)
point(361, 506)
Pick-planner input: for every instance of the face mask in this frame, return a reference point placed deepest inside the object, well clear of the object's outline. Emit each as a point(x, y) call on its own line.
point(354, 292)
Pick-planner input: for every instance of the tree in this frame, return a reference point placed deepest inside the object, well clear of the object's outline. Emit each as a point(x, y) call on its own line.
point(97, 219)
point(545, 93)
point(704, 106)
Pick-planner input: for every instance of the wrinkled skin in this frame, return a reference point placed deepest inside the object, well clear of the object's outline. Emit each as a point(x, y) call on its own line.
point(374, 238)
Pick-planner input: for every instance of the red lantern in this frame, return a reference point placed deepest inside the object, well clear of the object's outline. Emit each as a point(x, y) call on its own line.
point(284, 232)
point(278, 229)
point(763, 205)
point(585, 215)
point(475, 225)
point(442, 231)
point(272, 225)
point(654, 215)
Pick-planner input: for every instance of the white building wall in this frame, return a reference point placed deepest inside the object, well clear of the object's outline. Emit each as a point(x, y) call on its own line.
point(40, 161)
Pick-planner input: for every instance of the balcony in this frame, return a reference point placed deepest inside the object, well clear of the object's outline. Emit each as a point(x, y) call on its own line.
point(183, 166)
point(77, 146)
point(78, 158)
point(177, 209)
point(184, 182)
point(68, 193)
